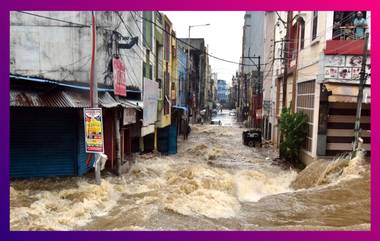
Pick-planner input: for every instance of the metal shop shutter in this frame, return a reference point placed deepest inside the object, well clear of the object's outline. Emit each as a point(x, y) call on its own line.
point(162, 140)
point(172, 139)
point(43, 142)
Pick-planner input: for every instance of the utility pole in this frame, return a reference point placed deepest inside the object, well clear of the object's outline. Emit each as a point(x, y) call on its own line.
point(93, 82)
point(294, 83)
point(94, 88)
point(259, 92)
point(240, 93)
point(188, 76)
point(363, 78)
point(256, 87)
point(286, 57)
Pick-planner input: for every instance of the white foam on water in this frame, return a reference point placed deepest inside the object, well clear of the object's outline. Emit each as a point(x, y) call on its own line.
point(253, 185)
point(66, 208)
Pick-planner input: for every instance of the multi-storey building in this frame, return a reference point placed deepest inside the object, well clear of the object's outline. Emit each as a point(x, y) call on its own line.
point(251, 74)
point(323, 54)
point(50, 73)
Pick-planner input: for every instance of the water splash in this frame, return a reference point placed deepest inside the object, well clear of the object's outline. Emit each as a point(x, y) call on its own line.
point(205, 202)
point(323, 172)
point(65, 208)
point(253, 185)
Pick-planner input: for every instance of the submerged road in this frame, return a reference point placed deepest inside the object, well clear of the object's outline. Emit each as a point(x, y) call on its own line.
point(212, 183)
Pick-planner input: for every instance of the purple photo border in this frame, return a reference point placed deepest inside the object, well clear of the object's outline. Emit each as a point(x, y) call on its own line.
point(190, 5)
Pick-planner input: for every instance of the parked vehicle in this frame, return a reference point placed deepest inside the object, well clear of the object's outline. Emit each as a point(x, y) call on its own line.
point(216, 122)
point(252, 138)
point(232, 113)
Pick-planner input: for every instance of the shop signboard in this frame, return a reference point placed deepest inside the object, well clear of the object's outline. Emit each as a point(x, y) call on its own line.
point(93, 127)
point(344, 68)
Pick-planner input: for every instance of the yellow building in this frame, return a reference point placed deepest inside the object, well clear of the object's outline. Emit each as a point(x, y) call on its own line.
point(174, 69)
point(163, 67)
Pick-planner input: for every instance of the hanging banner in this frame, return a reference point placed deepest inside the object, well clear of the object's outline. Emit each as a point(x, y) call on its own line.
point(119, 81)
point(93, 127)
point(150, 98)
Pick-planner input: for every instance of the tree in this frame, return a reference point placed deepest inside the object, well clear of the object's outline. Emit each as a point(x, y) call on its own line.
point(294, 128)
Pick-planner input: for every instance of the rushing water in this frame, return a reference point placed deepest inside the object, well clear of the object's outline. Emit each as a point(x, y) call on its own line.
point(213, 183)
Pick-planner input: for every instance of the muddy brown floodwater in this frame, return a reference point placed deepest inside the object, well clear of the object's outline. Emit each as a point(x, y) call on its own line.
point(213, 183)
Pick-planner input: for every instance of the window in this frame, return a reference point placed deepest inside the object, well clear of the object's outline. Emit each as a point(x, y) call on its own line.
point(147, 70)
point(166, 90)
point(305, 104)
point(167, 42)
point(158, 17)
point(302, 33)
point(147, 67)
point(315, 25)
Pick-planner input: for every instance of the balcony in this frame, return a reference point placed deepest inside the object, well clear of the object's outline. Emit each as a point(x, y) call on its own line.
point(347, 34)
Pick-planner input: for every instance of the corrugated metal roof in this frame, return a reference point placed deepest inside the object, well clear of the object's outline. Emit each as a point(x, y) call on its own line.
point(65, 98)
point(129, 103)
point(106, 100)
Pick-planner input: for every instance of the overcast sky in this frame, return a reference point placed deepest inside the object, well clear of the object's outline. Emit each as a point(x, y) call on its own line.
point(223, 36)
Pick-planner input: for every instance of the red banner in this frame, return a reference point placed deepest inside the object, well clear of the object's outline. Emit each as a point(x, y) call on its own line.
point(119, 81)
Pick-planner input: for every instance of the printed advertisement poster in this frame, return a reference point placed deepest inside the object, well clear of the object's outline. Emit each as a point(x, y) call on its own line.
point(356, 73)
point(354, 61)
point(344, 73)
point(331, 72)
point(120, 83)
point(335, 60)
point(93, 127)
point(335, 70)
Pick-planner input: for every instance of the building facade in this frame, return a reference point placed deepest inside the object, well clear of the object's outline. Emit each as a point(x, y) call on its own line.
point(55, 85)
point(222, 92)
point(251, 72)
point(323, 57)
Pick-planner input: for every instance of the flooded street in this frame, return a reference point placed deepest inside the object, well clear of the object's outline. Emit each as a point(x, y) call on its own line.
point(212, 183)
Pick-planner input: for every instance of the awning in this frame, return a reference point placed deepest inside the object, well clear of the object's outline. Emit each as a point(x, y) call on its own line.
point(347, 93)
point(58, 98)
point(106, 100)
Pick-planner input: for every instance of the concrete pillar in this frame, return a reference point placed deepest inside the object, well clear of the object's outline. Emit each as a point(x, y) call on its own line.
point(322, 121)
